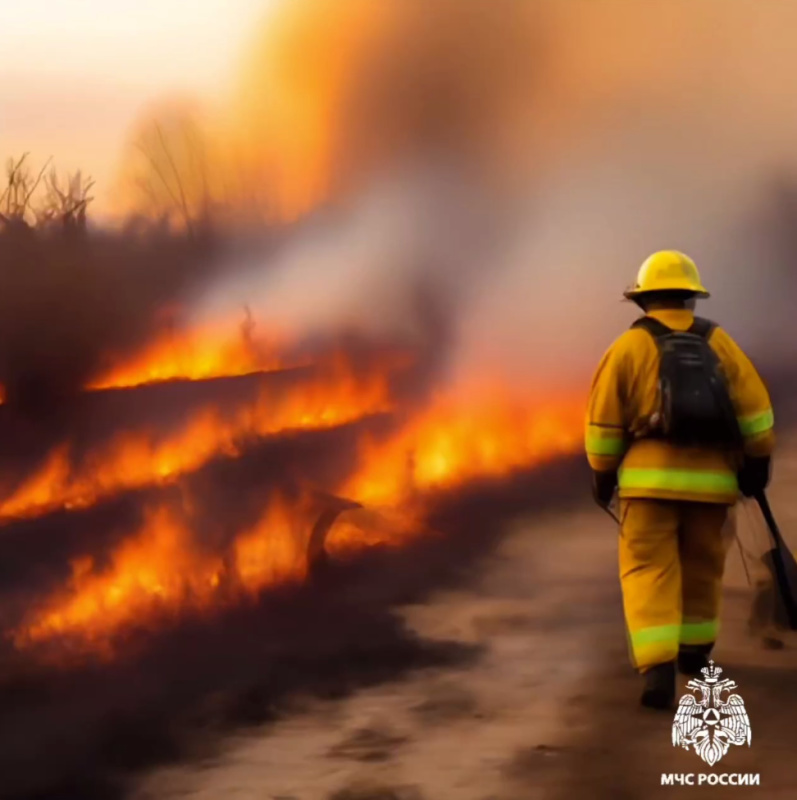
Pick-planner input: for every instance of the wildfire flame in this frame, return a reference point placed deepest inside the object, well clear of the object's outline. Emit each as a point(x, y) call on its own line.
point(323, 97)
point(136, 459)
point(274, 551)
point(161, 570)
point(464, 436)
point(211, 351)
point(151, 572)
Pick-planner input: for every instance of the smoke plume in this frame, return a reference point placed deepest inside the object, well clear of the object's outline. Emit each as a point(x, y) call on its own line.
point(523, 159)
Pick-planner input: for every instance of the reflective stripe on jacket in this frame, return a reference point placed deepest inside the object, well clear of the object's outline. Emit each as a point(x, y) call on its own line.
point(624, 398)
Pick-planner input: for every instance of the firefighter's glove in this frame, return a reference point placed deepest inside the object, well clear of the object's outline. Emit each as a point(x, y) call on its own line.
point(603, 486)
point(754, 476)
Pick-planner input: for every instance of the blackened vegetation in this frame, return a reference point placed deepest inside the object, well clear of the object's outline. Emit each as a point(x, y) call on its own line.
point(67, 299)
point(72, 294)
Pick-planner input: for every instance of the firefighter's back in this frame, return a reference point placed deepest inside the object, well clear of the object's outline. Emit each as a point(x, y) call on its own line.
point(678, 422)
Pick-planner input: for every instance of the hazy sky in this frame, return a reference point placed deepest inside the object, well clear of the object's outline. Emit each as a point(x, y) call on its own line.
point(74, 74)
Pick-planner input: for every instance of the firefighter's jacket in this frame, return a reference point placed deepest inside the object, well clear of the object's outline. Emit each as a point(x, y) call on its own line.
point(622, 408)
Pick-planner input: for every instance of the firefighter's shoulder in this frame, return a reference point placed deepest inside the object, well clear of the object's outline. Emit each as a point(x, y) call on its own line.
point(625, 355)
point(721, 339)
point(632, 343)
point(728, 349)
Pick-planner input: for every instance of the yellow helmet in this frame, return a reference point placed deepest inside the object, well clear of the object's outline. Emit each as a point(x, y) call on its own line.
point(667, 271)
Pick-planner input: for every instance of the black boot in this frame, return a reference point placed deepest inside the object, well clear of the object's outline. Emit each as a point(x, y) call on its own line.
point(659, 691)
point(692, 658)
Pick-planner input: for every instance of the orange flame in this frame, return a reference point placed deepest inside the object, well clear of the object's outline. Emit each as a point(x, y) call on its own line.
point(134, 460)
point(465, 436)
point(361, 528)
point(161, 572)
point(197, 354)
point(153, 571)
point(274, 551)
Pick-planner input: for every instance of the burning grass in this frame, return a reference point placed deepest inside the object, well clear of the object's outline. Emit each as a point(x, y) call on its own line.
point(209, 351)
point(474, 433)
point(336, 394)
point(164, 570)
point(161, 571)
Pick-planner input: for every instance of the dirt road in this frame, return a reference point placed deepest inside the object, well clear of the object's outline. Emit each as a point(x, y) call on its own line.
point(546, 710)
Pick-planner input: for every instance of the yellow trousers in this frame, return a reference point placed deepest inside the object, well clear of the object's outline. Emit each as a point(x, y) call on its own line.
point(672, 557)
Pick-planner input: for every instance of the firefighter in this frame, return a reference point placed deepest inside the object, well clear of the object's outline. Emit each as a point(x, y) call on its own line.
point(678, 448)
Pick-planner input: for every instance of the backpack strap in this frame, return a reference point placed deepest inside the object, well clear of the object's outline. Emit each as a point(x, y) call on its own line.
point(700, 327)
point(703, 328)
point(655, 328)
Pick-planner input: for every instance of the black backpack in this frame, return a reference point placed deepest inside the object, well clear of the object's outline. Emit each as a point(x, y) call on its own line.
point(695, 404)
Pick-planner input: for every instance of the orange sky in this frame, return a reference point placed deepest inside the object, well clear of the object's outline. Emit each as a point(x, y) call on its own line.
point(74, 75)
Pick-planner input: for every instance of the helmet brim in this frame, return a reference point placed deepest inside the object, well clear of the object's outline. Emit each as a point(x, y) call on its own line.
point(631, 294)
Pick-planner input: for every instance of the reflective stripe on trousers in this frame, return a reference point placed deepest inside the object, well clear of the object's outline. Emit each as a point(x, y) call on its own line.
point(658, 644)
